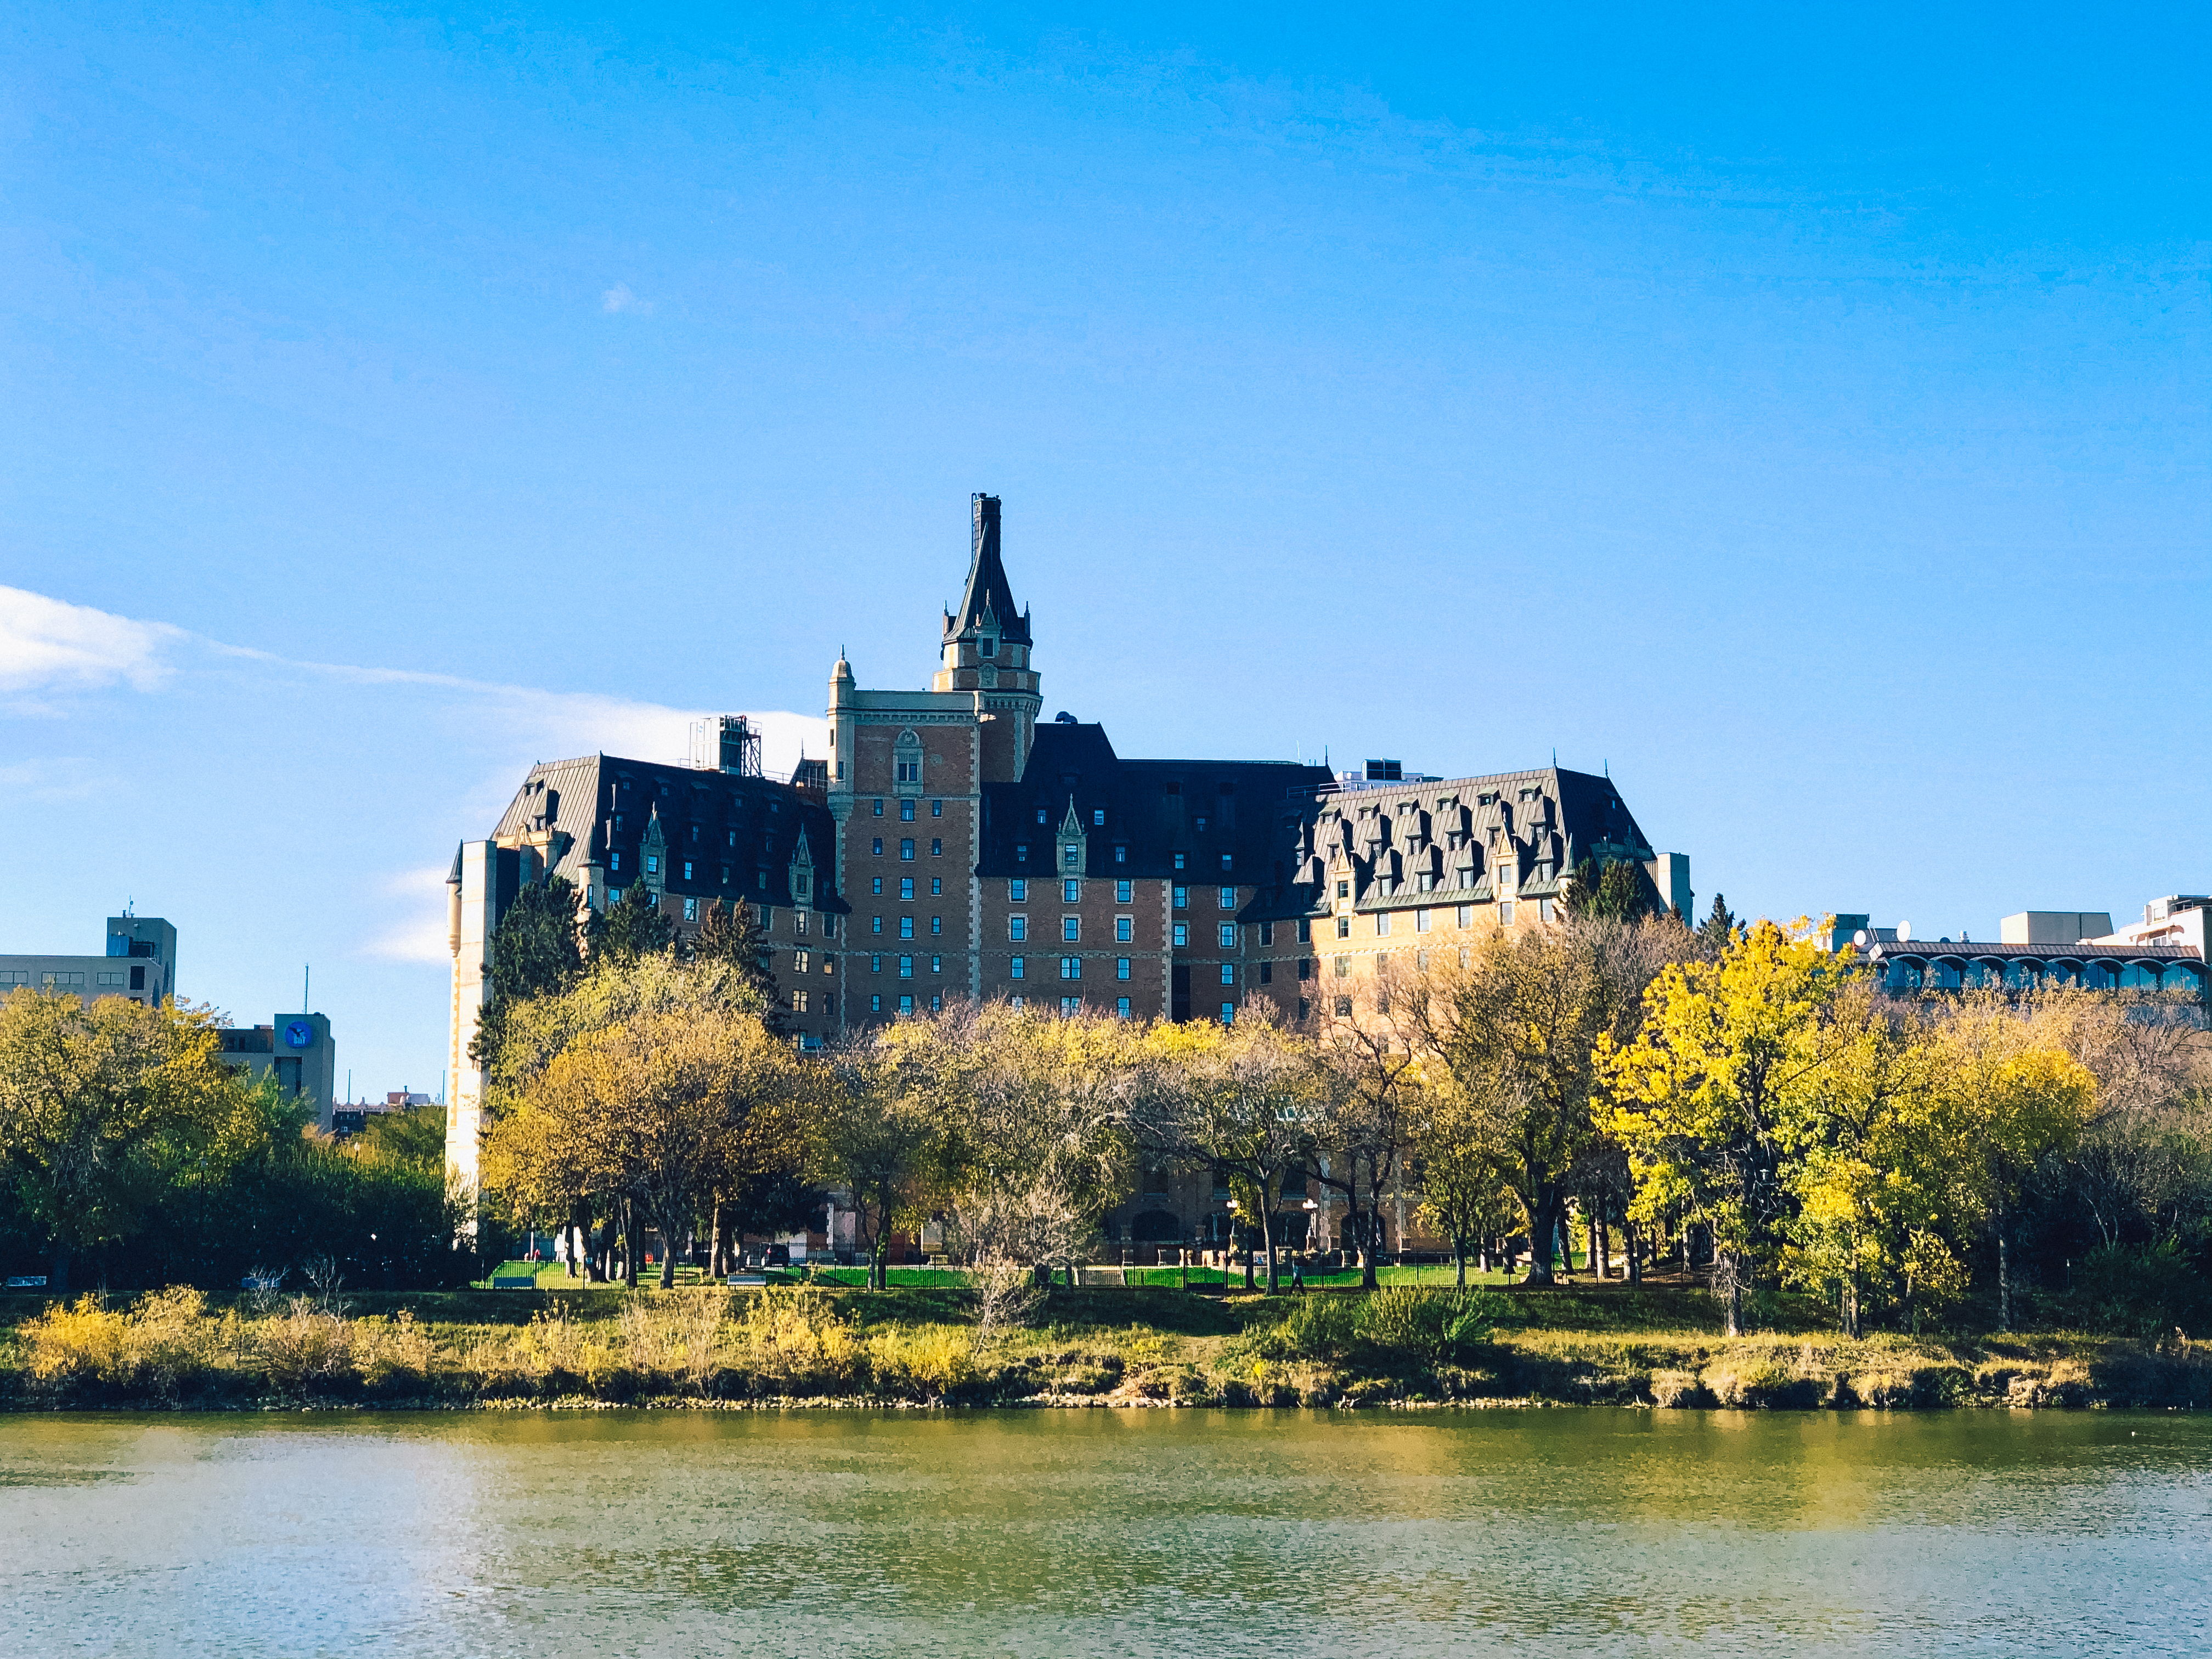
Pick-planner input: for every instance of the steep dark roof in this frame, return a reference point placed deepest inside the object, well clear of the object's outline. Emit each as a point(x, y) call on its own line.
point(1202, 809)
point(768, 818)
point(986, 587)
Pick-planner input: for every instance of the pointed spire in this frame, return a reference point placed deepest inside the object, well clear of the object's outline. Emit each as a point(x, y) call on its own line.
point(987, 594)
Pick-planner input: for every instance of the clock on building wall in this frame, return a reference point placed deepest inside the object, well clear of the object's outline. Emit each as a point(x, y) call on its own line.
point(299, 1035)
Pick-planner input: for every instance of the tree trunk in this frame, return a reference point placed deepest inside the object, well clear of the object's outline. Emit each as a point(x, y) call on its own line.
point(1458, 1254)
point(717, 1249)
point(1596, 1245)
point(2004, 1281)
point(57, 1267)
point(1267, 1242)
point(1543, 1236)
point(667, 1256)
point(1628, 1247)
point(1727, 1279)
point(1850, 1308)
point(630, 1243)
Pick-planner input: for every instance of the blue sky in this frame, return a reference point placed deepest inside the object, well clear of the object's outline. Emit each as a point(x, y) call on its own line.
point(1804, 413)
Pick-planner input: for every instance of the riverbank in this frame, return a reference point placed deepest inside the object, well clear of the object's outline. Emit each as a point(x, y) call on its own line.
point(1624, 1346)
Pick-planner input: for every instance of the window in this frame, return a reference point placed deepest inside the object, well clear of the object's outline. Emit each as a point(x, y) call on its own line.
point(1071, 857)
point(725, 875)
point(1071, 891)
point(1344, 1007)
point(1041, 817)
point(875, 1005)
point(798, 1002)
point(1016, 1002)
point(1343, 966)
point(937, 809)
point(1505, 913)
point(1178, 861)
point(987, 647)
point(687, 869)
point(1121, 856)
point(1229, 973)
point(1070, 1004)
point(879, 809)
point(1267, 933)
point(691, 909)
point(1021, 852)
point(1181, 934)
point(1125, 929)
point(876, 847)
point(1420, 921)
point(1017, 928)
point(798, 923)
point(1344, 926)
point(1228, 1013)
point(1266, 973)
point(1181, 899)
point(1382, 926)
point(1465, 916)
point(937, 924)
point(1226, 864)
point(937, 887)
point(1202, 826)
point(1097, 818)
point(1071, 928)
point(614, 895)
point(906, 851)
point(1017, 890)
point(1305, 932)
point(828, 1002)
point(1014, 968)
point(906, 967)
point(1120, 967)
point(829, 927)
point(906, 1005)
point(1121, 1007)
point(875, 965)
point(906, 807)
point(936, 847)
point(1305, 967)
point(1344, 889)
point(936, 1002)
point(1304, 1008)
point(906, 926)
point(1124, 891)
point(1071, 967)
point(936, 964)
point(906, 888)
point(876, 885)
point(1227, 899)
point(1545, 913)
point(652, 864)
point(1228, 935)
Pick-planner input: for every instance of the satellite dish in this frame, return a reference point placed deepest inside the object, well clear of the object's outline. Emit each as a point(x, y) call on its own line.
point(1861, 938)
point(1904, 932)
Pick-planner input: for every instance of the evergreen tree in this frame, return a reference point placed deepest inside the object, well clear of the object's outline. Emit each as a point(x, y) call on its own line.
point(536, 951)
point(1718, 931)
point(1611, 892)
point(631, 929)
point(734, 935)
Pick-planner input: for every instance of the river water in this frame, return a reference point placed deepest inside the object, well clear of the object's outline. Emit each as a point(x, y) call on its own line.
point(1195, 1534)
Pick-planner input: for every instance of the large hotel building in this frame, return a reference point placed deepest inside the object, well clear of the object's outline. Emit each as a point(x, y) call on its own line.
point(955, 844)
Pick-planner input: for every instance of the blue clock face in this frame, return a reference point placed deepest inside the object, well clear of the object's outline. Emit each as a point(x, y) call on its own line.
point(299, 1035)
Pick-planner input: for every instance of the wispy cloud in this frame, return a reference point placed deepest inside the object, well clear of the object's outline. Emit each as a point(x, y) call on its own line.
point(415, 930)
point(619, 299)
point(49, 645)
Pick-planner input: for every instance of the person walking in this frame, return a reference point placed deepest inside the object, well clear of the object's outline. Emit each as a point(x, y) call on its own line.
point(1297, 1274)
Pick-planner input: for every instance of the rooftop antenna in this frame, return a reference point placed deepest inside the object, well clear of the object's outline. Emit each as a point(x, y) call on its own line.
point(305, 1004)
point(130, 907)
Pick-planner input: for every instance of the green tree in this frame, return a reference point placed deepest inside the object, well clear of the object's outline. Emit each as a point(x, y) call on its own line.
point(1718, 930)
point(1614, 891)
point(734, 935)
point(536, 951)
point(631, 929)
point(878, 1134)
point(101, 1104)
point(414, 1136)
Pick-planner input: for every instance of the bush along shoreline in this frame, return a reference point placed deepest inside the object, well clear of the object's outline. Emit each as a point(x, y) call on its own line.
point(177, 1349)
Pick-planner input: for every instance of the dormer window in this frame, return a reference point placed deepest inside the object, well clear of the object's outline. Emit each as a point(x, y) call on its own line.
point(1071, 856)
point(988, 647)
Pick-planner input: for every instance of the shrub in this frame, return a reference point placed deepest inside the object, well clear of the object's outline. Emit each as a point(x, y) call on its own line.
point(2132, 1289)
point(78, 1341)
point(927, 1362)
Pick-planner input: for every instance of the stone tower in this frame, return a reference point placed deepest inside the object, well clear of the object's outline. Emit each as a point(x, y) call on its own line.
point(985, 649)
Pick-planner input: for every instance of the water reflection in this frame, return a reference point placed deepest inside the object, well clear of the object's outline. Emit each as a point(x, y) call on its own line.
point(1061, 1533)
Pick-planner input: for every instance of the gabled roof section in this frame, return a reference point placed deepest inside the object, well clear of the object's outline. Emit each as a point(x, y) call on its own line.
point(988, 595)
